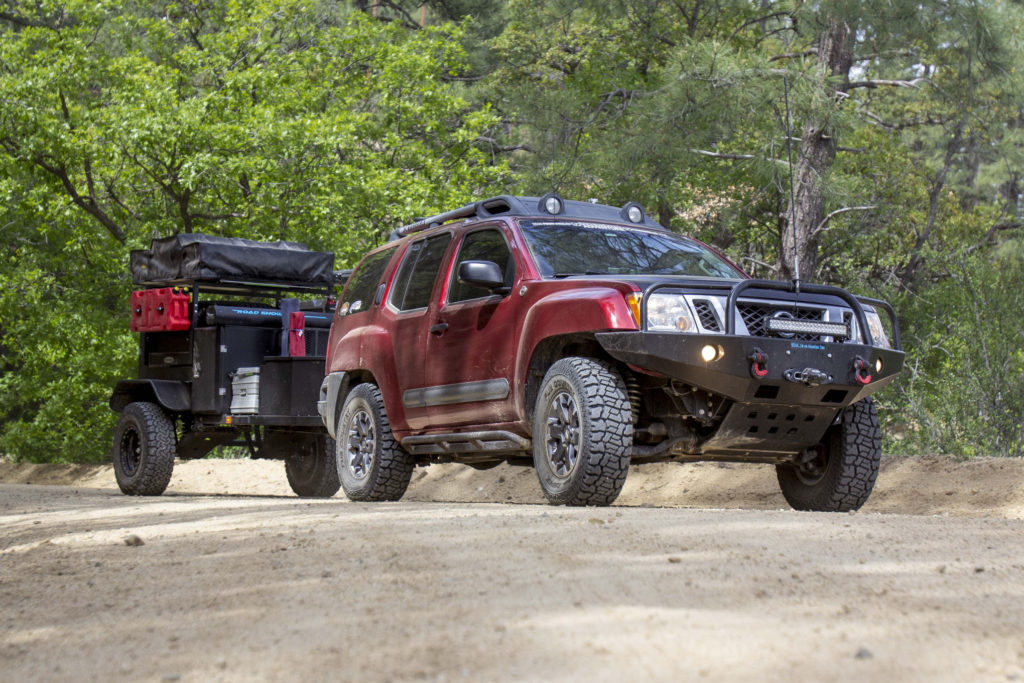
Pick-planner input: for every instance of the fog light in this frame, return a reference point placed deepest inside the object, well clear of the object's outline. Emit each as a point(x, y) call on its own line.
point(878, 365)
point(709, 353)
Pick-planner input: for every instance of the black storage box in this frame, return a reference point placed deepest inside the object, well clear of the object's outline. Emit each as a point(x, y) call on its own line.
point(290, 385)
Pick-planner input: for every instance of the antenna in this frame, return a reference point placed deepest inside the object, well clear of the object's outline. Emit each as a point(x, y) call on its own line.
point(792, 196)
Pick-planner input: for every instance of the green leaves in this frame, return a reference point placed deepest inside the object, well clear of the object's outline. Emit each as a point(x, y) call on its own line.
point(273, 119)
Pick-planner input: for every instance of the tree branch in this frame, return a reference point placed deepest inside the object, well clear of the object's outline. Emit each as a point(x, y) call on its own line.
point(794, 55)
point(821, 226)
point(998, 227)
point(886, 83)
point(736, 157)
point(502, 148)
point(87, 204)
point(769, 266)
point(216, 216)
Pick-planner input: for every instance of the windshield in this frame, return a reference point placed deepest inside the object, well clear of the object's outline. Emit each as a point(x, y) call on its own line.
point(563, 248)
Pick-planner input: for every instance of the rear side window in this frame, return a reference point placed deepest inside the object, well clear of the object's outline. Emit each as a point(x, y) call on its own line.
point(483, 245)
point(361, 286)
point(416, 276)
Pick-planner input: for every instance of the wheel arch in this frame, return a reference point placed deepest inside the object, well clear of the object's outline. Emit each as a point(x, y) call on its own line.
point(346, 382)
point(550, 350)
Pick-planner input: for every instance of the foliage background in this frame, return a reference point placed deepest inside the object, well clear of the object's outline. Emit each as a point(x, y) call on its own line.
point(331, 122)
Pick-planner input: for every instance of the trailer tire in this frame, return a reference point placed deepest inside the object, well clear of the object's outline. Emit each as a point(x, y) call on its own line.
point(312, 470)
point(144, 449)
point(371, 464)
point(842, 474)
point(582, 433)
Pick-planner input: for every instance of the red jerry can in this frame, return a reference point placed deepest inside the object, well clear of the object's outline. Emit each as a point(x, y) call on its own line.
point(160, 310)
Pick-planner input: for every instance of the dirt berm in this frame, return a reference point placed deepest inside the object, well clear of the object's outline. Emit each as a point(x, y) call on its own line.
point(926, 485)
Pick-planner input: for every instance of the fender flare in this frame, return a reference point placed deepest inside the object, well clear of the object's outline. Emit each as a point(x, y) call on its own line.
point(171, 395)
point(335, 385)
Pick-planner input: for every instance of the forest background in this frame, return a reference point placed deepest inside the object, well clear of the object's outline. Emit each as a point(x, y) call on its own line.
point(332, 122)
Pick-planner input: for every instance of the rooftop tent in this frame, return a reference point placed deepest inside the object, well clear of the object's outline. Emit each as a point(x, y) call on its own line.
point(198, 257)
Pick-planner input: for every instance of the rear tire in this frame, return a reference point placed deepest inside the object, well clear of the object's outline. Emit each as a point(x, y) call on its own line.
point(840, 474)
point(313, 470)
point(582, 433)
point(144, 449)
point(371, 464)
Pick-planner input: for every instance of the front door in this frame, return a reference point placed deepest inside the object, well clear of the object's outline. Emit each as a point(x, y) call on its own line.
point(471, 345)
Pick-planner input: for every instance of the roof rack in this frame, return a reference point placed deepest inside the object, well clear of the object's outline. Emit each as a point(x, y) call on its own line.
point(550, 205)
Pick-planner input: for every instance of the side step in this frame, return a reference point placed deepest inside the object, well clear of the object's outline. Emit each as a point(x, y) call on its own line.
point(491, 443)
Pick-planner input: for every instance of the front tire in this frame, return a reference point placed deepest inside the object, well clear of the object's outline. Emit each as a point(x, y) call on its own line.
point(312, 469)
point(840, 473)
point(144, 449)
point(582, 433)
point(371, 464)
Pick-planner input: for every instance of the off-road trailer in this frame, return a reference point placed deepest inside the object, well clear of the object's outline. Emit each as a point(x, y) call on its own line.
point(232, 340)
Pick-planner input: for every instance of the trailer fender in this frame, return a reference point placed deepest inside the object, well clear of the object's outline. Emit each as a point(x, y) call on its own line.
point(171, 395)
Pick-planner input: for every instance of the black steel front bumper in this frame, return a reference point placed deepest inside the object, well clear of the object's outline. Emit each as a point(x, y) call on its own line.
point(785, 393)
point(766, 369)
point(788, 366)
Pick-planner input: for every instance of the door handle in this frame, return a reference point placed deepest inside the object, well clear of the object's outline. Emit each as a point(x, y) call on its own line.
point(438, 329)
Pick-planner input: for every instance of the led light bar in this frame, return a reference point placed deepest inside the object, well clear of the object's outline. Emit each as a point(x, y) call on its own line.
point(788, 325)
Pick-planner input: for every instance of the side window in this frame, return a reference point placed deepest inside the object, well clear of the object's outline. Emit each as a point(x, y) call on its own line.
point(482, 245)
point(415, 280)
point(358, 295)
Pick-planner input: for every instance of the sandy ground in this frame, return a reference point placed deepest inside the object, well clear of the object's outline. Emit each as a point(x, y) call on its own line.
point(467, 580)
point(931, 485)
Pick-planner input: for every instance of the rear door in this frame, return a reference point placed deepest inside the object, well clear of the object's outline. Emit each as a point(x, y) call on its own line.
point(471, 343)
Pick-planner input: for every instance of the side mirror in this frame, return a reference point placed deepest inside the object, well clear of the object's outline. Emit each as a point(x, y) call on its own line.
point(485, 274)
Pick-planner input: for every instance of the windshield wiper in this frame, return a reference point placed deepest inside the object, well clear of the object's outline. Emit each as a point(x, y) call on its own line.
point(589, 272)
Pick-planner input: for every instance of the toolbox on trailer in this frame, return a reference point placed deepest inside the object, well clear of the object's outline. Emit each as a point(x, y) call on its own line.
point(232, 341)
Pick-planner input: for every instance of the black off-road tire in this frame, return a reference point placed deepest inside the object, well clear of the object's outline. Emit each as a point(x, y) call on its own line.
point(312, 469)
point(144, 449)
point(842, 476)
point(371, 464)
point(582, 433)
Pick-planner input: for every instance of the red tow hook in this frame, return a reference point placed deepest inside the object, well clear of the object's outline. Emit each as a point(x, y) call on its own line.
point(861, 370)
point(758, 363)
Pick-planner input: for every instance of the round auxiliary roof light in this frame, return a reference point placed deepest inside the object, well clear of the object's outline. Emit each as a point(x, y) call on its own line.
point(633, 212)
point(551, 203)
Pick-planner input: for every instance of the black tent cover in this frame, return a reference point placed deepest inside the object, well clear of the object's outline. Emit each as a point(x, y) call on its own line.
point(208, 258)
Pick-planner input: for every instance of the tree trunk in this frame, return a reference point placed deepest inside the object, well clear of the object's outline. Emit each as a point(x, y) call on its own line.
point(806, 211)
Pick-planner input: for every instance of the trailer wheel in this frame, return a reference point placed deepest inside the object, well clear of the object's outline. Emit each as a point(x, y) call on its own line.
point(582, 433)
point(838, 474)
point(144, 448)
point(371, 464)
point(311, 469)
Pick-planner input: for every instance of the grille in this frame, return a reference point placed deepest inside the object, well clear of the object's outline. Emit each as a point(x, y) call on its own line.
point(755, 317)
point(706, 313)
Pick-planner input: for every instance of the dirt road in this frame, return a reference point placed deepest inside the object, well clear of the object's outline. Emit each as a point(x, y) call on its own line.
point(242, 587)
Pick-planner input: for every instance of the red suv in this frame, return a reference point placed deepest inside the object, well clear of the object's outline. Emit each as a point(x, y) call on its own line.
point(580, 338)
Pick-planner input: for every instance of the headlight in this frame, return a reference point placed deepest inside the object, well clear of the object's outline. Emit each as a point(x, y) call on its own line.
point(877, 331)
point(669, 313)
